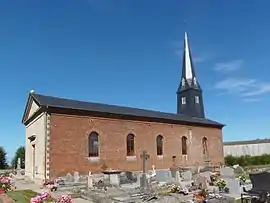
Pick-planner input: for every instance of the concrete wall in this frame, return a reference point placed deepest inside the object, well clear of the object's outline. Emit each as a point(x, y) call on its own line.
point(247, 149)
point(35, 165)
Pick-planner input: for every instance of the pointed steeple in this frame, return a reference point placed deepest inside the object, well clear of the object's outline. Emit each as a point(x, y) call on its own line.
point(187, 66)
point(189, 93)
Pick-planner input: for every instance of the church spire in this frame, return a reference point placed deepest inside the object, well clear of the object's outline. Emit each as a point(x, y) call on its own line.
point(187, 66)
point(189, 93)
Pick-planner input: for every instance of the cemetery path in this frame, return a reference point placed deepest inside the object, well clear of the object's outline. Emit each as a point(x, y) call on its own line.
point(5, 199)
point(24, 185)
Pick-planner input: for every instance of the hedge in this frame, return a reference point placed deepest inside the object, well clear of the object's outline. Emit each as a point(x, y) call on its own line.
point(247, 160)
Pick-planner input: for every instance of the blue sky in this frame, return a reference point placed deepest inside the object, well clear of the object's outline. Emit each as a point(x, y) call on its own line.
point(129, 52)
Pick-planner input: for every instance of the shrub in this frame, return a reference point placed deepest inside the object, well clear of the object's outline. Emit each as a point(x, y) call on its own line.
point(247, 160)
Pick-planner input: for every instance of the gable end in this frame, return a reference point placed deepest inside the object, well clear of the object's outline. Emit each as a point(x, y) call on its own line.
point(32, 106)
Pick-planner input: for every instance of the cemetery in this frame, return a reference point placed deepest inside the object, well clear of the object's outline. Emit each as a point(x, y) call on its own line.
point(177, 184)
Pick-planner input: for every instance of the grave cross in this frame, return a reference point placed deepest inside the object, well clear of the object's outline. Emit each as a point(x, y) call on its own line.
point(144, 156)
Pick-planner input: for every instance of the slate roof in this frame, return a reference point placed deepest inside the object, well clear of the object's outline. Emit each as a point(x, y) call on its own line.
point(57, 102)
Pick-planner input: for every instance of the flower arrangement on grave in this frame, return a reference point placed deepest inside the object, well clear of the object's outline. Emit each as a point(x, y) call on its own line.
point(5, 183)
point(45, 197)
point(64, 199)
point(201, 196)
point(52, 184)
point(220, 183)
point(243, 178)
point(174, 188)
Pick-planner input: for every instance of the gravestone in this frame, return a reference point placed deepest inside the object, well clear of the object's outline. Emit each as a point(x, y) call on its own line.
point(207, 175)
point(234, 187)
point(163, 176)
point(227, 172)
point(90, 180)
point(260, 181)
point(239, 170)
point(69, 177)
point(187, 175)
point(177, 177)
point(173, 171)
point(201, 182)
point(76, 177)
point(114, 179)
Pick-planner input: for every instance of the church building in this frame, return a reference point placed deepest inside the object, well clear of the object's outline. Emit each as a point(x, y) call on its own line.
point(64, 135)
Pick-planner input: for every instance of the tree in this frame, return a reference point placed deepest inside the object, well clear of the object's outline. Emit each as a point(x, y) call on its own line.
point(3, 158)
point(20, 153)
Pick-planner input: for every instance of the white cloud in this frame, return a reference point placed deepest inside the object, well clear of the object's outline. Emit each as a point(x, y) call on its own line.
point(248, 89)
point(252, 99)
point(227, 67)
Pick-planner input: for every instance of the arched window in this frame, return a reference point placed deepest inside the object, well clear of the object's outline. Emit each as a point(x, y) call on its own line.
point(184, 145)
point(130, 145)
point(204, 144)
point(159, 141)
point(93, 144)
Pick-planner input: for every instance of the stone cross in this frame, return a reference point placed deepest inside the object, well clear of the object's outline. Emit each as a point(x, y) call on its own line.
point(144, 156)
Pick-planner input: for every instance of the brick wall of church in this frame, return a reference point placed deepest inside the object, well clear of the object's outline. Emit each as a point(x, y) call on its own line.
point(69, 144)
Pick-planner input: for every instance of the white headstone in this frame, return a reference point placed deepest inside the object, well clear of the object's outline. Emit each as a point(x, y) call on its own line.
point(76, 176)
point(90, 180)
point(69, 177)
point(234, 187)
point(114, 179)
point(187, 175)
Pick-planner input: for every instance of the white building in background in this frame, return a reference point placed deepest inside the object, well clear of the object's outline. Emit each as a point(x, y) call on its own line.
point(250, 147)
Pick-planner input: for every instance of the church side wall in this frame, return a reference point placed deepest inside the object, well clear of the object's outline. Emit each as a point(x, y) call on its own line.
point(35, 162)
point(69, 144)
point(247, 149)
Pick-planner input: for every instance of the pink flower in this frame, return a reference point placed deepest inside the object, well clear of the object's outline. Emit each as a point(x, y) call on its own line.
point(36, 199)
point(64, 199)
point(45, 195)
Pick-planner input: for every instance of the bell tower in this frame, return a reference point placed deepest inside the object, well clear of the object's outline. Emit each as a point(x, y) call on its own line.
point(189, 93)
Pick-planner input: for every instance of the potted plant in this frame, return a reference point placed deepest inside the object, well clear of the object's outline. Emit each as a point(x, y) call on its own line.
point(220, 183)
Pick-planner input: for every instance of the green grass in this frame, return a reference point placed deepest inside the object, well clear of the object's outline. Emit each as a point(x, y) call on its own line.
point(22, 196)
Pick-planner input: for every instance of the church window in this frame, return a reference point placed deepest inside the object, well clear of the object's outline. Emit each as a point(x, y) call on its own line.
point(204, 144)
point(130, 145)
point(197, 100)
point(184, 145)
point(93, 144)
point(184, 100)
point(159, 141)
